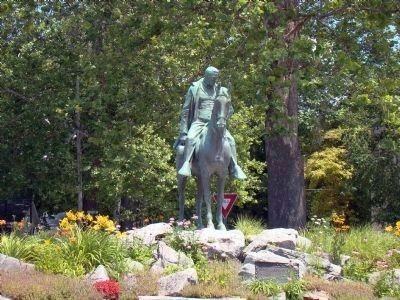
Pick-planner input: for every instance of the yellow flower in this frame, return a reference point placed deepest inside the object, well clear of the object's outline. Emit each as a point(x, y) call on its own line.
point(80, 215)
point(71, 216)
point(64, 224)
point(47, 242)
point(89, 218)
point(96, 227)
point(72, 239)
point(120, 234)
point(398, 224)
point(389, 228)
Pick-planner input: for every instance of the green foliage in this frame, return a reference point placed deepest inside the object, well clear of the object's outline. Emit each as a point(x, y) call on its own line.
point(295, 289)
point(358, 269)
point(387, 286)
point(264, 287)
point(17, 246)
point(172, 268)
point(328, 173)
point(140, 252)
point(248, 225)
point(183, 238)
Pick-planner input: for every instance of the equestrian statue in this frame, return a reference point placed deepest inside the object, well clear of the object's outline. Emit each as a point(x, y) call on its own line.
point(205, 146)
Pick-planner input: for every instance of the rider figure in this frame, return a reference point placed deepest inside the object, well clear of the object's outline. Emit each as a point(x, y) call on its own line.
point(196, 113)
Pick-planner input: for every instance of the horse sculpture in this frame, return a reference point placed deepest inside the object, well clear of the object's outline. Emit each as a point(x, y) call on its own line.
point(212, 156)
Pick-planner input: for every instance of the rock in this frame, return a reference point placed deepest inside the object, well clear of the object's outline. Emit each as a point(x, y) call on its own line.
point(134, 266)
point(166, 256)
point(4, 298)
point(149, 234)
point(8, 263)
point(280, 296)
point(344, 259)
point(184, 298)
point(374, 277)
point(268, 265)
point(303, 242)
point(312, 262)
point(99, 274)
point(316, 295)
point(173, 284)
point(281, 237)
point(221, 244)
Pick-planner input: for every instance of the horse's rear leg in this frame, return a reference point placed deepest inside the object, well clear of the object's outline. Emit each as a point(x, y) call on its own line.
point(220, 200)
point(181, 192)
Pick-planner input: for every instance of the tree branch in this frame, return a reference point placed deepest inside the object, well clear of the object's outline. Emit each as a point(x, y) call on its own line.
point(15, 93)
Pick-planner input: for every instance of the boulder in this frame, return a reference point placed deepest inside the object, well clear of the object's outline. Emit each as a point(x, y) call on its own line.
point(221, 244)
point(99, 274)
point(149, 234)
point(281, 237)
point(265, 264)
point(8, 263)
point(166, 256)
point(303, 242)
point(173, 284)
point(133, 266)
point(312, 262)
point(316, 295)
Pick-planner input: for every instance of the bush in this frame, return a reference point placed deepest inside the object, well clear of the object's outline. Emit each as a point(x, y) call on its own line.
point(140, 252)
point(248, 225)
point(295, 289)
point(39, 286)
point(90, 248)
point(17, 246)
point(387, 286)
point(268, 288)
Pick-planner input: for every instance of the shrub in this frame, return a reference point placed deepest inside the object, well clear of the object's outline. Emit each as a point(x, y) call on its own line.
point(17, 246)
point(295, 289)
point(248, 225)
point(183, 238)
point(109, 288)
point(140, 252)
point(265, 287)
point(39, 286)
point(90, 248)
point(387, 286)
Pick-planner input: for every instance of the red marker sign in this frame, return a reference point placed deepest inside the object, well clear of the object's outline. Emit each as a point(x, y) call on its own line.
point(229, 200)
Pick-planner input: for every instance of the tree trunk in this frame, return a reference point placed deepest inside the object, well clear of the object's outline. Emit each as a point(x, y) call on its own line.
point(78, 133)
point(286, 198)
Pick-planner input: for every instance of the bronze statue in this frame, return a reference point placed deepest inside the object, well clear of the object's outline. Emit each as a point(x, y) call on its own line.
point(208, 148)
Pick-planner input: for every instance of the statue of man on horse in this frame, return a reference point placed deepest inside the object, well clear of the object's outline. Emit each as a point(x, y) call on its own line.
point(204, 146)
point(196, 113)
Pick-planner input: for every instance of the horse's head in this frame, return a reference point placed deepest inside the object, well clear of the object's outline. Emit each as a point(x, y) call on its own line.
point(221, 113)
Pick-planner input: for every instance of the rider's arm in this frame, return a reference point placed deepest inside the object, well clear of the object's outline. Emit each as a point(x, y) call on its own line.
point(184, 125)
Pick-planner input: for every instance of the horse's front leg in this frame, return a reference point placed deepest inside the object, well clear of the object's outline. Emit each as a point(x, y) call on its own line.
point(205, 182)
point(199, 204)
point(220, 200)
point(181, 194)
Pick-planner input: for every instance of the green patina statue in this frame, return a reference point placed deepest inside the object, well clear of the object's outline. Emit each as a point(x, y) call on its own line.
point(196, 113)
point(205, 147)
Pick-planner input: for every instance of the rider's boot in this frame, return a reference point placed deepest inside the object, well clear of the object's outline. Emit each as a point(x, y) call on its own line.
point(234, 169)
point(185, 169)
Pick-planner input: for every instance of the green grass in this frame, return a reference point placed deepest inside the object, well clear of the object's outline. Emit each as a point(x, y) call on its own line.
point(248, 225)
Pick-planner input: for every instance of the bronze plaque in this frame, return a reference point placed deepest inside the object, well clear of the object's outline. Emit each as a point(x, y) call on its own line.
point(279, 272)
